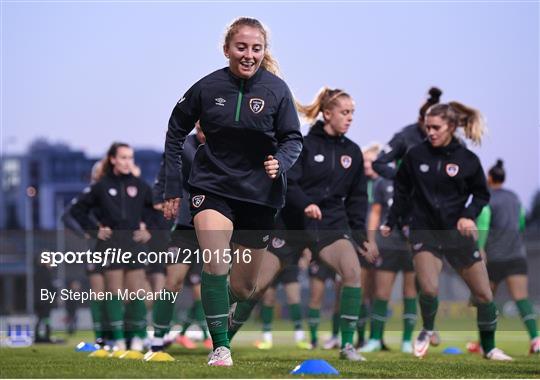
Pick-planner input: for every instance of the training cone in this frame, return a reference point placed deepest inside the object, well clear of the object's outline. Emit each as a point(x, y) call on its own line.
point(452, 351)
point(314, 367)
point(85, 347)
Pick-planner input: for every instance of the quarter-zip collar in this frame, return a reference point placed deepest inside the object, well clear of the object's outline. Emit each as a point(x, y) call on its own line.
point(445, 150)
point(318, 130)
point(120, 177)
point(247, 83)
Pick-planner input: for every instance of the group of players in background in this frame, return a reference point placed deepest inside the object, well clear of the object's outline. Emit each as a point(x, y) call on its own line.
point(247, 181)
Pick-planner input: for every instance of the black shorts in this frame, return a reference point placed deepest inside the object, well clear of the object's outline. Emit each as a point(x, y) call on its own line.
point(499, 270)
point(120, 243)
point(193, 276)
point(252, 222)
point(394, 261)
point(156, 268)
point(288, 275)
point(460, 252)
point(364, 263)
point(321, 271)
point(185, 246)
point(93, 269)
point(287, 254)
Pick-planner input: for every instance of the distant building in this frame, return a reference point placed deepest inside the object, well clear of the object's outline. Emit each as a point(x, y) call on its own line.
point(45, 179)
point(34, 189)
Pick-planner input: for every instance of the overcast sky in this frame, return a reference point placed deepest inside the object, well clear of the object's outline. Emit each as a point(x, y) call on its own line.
point(88, 73)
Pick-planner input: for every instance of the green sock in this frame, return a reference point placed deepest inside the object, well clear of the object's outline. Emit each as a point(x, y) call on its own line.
point(486, 319)
point(215, 300)
point(335, 324)
point(349, 308)
point(428, 309)
point(362, 321)
point(135, 319)
point(162, 314)
point(379, 312)
point(198, 315)
point(267, 314)
point(96, 310)
point(409, 318)
point(296, 315)
point(188, 320)
point(232, 297)
point(528, 316)
point(241, 315)
point(115, 315)
point(314, 317)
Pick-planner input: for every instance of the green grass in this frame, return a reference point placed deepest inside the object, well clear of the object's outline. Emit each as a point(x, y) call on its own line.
point(61, 361)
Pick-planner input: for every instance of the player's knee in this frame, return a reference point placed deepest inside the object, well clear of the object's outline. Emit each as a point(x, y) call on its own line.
point(243, 290)
point(174, 285)
point(351, 276)
point(484, 296)
point(430, 290)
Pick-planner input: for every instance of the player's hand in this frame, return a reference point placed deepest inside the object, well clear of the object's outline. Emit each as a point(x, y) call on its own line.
point(271, 166)
point(141, 235)
point(170, 208)
point(385, 230)
point(313, 211)
point(104, 233)
point(369, 250)
point(483, 255)
point(158, 206)
point(467, 227)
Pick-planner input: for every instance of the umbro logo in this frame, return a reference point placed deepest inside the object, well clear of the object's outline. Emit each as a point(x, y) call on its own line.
point(220, 102)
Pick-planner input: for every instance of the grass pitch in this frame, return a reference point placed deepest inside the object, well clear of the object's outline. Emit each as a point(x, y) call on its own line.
point(61, 361)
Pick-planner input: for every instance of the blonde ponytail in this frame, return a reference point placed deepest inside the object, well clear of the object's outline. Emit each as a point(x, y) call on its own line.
point(458, 115)
point(325, 99)
point(472, 122)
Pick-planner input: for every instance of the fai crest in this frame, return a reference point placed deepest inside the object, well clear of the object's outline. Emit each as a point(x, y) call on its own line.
point(256, 105)
point(197, 200)
point(277, 243)
point(132, 191)
point(452, 170)
point(346, 161)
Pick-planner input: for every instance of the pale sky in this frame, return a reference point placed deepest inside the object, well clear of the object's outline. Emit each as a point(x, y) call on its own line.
point(88, 73)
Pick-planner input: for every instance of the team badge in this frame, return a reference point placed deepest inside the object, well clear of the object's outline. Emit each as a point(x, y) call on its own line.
point(424, 168)
point(346, 161)
point(132, 191)
point(452, 170)
point(197, 200)
point(277, 243)
point(112, 192)
point(256, 105)
point(319, 158)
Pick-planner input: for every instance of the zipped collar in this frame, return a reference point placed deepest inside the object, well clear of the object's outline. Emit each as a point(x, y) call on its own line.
point(247, 82)
point(120, 177)
point(317, 129)
point(445, 150)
